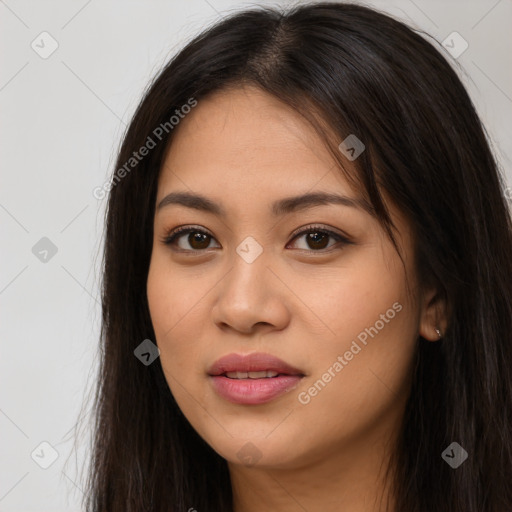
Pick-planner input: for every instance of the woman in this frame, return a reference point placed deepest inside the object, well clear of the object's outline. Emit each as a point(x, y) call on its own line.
point(307, 299)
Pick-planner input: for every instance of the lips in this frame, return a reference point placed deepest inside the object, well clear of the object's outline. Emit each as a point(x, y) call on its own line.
point(252, 363)
point(252, 379)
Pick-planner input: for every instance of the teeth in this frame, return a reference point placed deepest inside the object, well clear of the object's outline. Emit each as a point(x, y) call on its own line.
point(252, 375)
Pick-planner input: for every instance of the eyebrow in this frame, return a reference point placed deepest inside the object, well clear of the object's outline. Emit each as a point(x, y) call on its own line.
point(281, 207)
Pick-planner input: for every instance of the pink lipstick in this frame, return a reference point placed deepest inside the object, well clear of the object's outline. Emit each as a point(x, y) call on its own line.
point(252, 379)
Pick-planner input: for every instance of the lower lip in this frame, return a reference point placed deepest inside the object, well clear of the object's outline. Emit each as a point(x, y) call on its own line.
point(253, 391)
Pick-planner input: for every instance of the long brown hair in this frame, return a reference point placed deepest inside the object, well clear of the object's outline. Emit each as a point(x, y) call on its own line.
point(362, 72)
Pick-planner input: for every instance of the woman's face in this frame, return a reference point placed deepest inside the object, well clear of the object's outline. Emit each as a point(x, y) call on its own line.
point(264, 279)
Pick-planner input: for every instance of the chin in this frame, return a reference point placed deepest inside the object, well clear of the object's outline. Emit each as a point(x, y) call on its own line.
point(264, 449)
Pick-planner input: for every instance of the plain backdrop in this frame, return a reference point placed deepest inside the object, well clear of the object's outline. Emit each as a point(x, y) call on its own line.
point(62, 117)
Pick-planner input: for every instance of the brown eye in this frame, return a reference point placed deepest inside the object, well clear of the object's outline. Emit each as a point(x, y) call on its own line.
point(197, 239)
point(317, 240)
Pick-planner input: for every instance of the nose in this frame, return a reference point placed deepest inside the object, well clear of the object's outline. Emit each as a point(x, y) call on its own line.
point(251, 297)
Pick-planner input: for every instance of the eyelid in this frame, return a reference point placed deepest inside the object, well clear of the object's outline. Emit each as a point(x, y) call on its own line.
point(171, 235)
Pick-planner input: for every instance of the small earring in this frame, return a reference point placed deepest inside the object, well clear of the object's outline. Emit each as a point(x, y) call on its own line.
point(439, 333)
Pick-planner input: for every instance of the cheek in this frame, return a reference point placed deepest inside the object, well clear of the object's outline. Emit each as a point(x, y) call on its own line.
point(174, 298)
point(177, 316)
point(345, 300)
point(363, 361)
point(358, 386)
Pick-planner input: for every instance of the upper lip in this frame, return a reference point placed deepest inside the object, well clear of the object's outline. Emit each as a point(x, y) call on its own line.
point(255, 362)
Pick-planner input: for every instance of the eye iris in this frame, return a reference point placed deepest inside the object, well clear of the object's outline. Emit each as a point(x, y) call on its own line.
point(200, 238)
point(314, 237)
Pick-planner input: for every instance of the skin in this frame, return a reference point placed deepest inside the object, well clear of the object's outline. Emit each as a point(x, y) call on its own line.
point(244, 149)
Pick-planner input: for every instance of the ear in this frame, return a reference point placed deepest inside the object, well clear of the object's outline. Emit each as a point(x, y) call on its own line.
point(433, 315)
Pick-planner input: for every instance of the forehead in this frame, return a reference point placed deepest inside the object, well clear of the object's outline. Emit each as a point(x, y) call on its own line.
point(248, 137)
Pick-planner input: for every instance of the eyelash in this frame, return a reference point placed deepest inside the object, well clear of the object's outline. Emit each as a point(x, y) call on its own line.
point(171, 236)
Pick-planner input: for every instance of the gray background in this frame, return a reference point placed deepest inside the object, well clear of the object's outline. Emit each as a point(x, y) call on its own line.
point(62, 119)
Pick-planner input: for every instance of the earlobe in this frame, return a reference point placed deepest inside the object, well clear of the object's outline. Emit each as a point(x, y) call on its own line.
point(433, 316)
